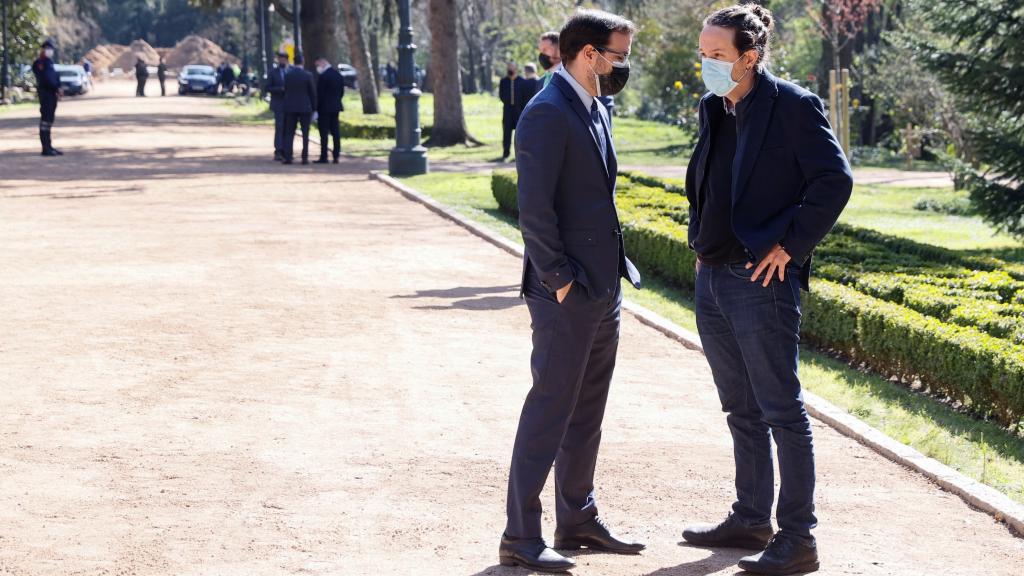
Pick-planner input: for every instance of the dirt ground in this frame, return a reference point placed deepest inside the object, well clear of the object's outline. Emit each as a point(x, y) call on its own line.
point(215, 364)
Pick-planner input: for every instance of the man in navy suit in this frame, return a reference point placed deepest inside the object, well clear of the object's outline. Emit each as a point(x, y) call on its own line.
point(275, 86)
point(574, 260)
point(299, 104)
point(510, 89)
point(330, 89)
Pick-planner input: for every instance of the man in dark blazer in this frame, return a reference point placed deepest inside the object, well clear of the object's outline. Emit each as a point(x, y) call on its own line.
point(141, 74)
point(509, 89)
point(299, 104)
point(49, 90)
point(574, 260)
point(275, 87)
point(330, 89)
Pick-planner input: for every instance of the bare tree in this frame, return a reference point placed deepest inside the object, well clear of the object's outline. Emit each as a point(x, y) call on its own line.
point(361, 56)
point(839, 21)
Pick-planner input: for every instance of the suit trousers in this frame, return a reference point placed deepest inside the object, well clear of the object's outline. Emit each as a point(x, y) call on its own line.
point(509, 119)
point(575, 343)
point(327, 125)
point(279, 131)
point(291, 120)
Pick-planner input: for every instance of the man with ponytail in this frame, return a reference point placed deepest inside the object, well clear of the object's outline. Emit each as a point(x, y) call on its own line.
point(766, 182)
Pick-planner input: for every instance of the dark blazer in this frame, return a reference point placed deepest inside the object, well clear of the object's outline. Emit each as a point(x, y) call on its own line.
point(567, 195)
point(299, 91)
point(275, 86)
point(330, 88)
point(526, 91)
point(790, 178)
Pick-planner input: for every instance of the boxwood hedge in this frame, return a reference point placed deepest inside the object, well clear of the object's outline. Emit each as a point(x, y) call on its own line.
point(904, 308)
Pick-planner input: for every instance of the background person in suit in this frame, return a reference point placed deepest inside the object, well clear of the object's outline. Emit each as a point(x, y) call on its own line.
point(549, 57)
point(330, 89)
point(141, 74)
point(299, 104)
point(275, 87)
point(574, 260)
point(509, 89)
point(530, 86)
point(766, 182)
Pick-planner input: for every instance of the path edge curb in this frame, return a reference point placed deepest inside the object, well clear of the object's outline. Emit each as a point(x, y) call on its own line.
point(974, 493)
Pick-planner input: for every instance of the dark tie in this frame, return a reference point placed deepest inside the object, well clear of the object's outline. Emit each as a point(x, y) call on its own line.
point(602, 142)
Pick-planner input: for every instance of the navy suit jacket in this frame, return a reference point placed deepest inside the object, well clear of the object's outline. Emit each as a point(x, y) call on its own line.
point(567, 195)
point(275, 86)
point(299, 91)
point(330, 88)
point(790, 178)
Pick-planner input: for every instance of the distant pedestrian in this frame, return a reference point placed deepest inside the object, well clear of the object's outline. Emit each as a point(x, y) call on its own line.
point(161, 75)
point(228, 77)
point(141, 74)
point(275, 87)
point(508, 91)
point(390, 75)
point(531, 85)
point(299, 104)
point(330, 89)
point(48, 86)
point(87, 66)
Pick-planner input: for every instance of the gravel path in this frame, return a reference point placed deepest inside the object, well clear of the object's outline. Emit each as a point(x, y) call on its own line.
point(214, 364)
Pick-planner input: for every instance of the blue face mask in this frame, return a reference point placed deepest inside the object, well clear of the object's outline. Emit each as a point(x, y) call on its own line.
point(717, 75)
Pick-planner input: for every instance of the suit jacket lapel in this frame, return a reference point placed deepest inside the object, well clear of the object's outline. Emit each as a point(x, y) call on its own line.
point(755, 119)
point(574, 101)
point(613, 162)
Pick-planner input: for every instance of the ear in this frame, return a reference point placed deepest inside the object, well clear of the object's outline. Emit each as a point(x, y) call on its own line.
point(750, 58)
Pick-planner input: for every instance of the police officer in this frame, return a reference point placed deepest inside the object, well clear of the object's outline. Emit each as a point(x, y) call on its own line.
point(48, 87)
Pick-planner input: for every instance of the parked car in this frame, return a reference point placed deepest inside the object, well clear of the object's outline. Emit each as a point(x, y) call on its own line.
point(197, 78)
point(73, 79)
point(348, 75)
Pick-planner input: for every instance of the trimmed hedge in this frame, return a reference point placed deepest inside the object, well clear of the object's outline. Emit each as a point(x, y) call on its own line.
point(928, 325)
point(350, 129)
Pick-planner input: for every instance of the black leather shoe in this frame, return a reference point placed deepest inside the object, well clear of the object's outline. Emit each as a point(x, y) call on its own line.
point(731, 533)
point(784, 555)
point(50, 152)
point(335, 159)
point(321, 161)
point(286, 161)
point(532, 553)
point(595, 535)
point(305, 161)
point(278, 157)
point(59, 153)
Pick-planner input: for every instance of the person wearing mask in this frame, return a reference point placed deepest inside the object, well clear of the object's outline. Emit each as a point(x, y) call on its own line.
point(275, 87)
point(161, 75)
point(330, 89)
point(766, 182)
point(48, 87)
point(549, 58)
point(299, 104)
point(575, 258)
point(509, 89)
point(141, 74)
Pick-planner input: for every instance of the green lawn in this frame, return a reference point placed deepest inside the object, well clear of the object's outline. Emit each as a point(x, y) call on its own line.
point(890, 209)
point(19, 106)
point(638, 142)
point(980, 450)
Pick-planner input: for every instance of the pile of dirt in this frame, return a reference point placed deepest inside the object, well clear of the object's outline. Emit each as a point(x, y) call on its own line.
point(139, 49)
point(197, 50)
point(190, 50)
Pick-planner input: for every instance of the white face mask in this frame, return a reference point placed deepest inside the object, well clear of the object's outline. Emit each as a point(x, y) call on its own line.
point(48, 52)
point(321, 69)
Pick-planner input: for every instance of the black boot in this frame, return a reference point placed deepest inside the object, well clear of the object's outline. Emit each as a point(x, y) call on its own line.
point(785, 554)
point(44, 139)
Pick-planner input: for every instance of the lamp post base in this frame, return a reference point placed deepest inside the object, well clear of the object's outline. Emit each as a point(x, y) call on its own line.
point(407, 161)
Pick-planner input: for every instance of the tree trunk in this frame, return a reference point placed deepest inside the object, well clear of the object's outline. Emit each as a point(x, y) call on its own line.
point(360, 57)
point(449, 123)
point(318, 33)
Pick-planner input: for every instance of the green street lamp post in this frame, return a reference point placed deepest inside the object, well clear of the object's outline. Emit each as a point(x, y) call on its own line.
point(408, 157)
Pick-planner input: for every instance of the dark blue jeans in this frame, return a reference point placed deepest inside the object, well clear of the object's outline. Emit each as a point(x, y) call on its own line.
point(751, 338)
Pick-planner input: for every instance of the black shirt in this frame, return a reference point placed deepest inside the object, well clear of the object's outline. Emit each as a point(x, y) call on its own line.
point(715, 242)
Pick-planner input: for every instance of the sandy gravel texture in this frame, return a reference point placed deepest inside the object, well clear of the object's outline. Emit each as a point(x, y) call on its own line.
point(214, 364)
